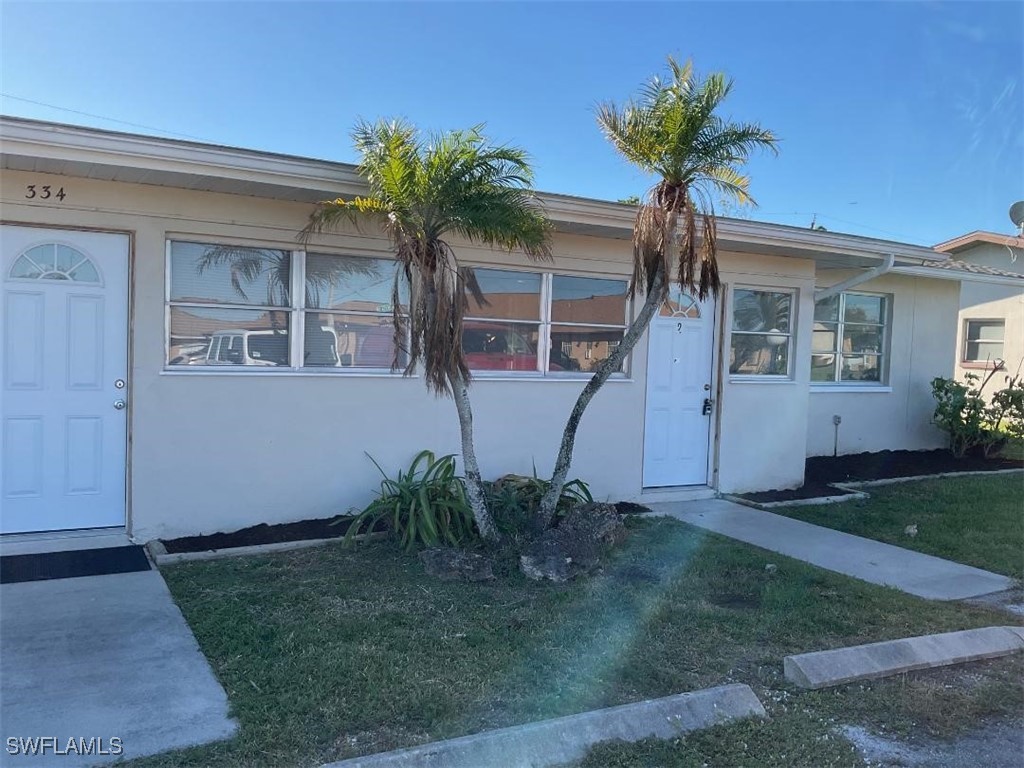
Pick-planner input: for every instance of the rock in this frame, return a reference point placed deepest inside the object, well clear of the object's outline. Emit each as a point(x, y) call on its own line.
point(911, 530)
point(575, 546)
point(771, 569)
point(456, 564)
point(631, 508)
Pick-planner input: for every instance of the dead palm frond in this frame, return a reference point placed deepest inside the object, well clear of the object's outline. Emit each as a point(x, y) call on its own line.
point(671, 131)
point(424, 191)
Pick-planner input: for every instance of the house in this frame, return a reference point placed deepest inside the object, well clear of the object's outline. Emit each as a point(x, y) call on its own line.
point(175, 363)
point(990, 334)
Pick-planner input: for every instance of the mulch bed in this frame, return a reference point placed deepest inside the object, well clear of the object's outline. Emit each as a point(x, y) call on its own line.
point(303, 530)
point(885, 465)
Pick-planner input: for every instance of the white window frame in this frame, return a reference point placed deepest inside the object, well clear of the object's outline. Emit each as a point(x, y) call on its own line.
point(296, 310)
point(837, 383)
point(964, 360)
point(545, 324)
point(765, 378)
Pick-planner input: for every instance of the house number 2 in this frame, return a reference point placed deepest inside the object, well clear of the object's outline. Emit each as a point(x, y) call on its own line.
point(44, 192)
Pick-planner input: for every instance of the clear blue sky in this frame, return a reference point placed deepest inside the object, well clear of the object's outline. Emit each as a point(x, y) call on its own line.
point(898, 120)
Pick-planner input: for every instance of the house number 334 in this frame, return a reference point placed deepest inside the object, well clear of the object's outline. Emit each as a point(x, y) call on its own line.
point(44, 192)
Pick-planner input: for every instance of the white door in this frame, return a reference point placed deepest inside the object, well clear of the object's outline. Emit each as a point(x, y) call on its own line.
point(677, 422)
point(64, 368)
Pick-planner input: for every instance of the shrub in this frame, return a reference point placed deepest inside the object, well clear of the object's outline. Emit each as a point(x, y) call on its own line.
point(426, 504)
point(962, 413)
point(514, 501)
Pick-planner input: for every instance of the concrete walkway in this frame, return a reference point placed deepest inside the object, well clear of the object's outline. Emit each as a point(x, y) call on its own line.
point(103, 657)
point(865, 559)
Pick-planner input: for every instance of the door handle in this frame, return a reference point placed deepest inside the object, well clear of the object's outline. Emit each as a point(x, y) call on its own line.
point(708, 405)
point(119, 404)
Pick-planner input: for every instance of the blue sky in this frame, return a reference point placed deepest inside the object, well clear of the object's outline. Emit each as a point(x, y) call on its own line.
point(897, 120)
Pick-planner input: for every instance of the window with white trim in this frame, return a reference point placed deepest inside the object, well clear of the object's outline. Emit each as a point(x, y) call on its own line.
point(983, 341)
point(230, 305)
point(762, 333)
point(542, 323)
point(238, 306)
point(850, 340)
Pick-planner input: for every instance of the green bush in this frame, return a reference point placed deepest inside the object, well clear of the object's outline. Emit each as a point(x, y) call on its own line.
point(962, 413)
point(515, 499)
point(425, 504)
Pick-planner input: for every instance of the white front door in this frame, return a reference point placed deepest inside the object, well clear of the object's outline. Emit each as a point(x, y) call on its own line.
point(64, 369)
point(677, 423)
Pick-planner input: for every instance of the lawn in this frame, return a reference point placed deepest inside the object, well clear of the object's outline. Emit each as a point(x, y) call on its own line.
point(975, 520)
point(332, 652)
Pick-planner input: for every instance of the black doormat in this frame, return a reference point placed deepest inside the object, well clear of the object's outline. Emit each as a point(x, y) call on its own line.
point(69, 565)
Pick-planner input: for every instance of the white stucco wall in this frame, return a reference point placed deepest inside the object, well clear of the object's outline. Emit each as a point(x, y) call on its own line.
point(217, 451)
point(982, 301)
point(896, 416)
point(763, 423)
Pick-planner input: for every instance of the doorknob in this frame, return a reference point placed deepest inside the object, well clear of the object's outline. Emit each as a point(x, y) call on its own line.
point(119, 404)
point(119, 383)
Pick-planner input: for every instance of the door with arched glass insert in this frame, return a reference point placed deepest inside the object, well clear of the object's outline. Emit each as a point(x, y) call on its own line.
point(64, 374)
point(677, 419)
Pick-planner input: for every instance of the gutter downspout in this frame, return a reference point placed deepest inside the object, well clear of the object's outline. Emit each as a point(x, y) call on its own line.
point(850, 282)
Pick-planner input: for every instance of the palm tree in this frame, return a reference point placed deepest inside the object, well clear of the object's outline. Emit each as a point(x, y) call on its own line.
point(670, 131)
point(424, 191)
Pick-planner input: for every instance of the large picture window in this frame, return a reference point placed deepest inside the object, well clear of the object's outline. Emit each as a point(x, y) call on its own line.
point(983, 341)
point(260, 308)
point(849, 342)
point(229, 305)
point(762, 335)
point(542, 323)
point(236, 306)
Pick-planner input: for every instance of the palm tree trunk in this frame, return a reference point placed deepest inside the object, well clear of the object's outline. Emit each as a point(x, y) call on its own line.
point(611, 364)
point(474, 485)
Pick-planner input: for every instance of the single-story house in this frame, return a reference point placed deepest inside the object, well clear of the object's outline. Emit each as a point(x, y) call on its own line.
point(991, 329)
point(175, 362)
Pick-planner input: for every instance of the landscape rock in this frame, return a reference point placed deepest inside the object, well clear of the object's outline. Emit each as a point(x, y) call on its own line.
point(456, 564)
point(576, 545)
point(631, 508)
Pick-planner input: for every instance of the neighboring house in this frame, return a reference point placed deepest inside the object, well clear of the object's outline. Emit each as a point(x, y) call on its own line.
point(174, 362)
point(991, 329)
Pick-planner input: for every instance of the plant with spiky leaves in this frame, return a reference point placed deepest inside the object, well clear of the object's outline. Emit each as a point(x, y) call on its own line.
point(670, 131)
point(425, 191)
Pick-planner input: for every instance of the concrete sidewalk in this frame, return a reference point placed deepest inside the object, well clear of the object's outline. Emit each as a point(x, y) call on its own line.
point(865, 559)
point(102, 657)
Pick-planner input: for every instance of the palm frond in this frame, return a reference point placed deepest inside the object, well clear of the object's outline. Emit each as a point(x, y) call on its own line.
point(672, 129)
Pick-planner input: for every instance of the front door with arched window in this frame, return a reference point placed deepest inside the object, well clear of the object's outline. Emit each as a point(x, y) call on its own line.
point(64, 369)
point(679, 409)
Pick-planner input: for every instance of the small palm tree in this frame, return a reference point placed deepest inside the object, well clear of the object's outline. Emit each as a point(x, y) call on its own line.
point(671, 132)
point(425, 191)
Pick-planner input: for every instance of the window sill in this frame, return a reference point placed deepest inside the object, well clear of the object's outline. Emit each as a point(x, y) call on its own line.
point(579, 378)
point(761, 380)
point(279, 372)
point(863, 388)
point(979, 366)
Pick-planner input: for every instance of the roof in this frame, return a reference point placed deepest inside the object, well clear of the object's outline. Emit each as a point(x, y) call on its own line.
point(977, 237)
point(954, 269)
point(69, 150)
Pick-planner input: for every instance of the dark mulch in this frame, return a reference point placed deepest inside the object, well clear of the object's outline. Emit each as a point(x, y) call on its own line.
point(811, 490)
point(889, 464)
point(303, 530)
point(820, 471)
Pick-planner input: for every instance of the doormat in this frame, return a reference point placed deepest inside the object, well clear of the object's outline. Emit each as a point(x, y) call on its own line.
point(69, 565)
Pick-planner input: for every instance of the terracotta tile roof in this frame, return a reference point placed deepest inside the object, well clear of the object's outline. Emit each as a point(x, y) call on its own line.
point(962, 266)
point(971, 239)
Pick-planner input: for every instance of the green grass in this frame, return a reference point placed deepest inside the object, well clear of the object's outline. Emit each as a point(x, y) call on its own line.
point(975, 520)
point(330, 652)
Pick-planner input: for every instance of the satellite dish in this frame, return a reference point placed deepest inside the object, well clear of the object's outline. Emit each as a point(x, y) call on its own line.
point(1017, 215)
